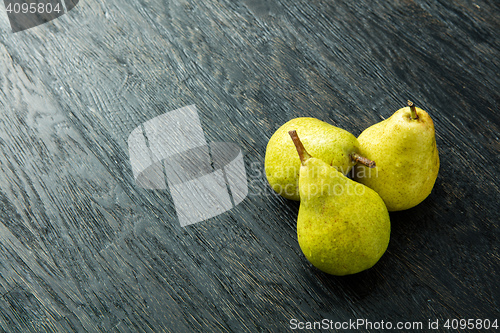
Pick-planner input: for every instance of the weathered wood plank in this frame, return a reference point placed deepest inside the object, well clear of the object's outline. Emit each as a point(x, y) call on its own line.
point(82, 248)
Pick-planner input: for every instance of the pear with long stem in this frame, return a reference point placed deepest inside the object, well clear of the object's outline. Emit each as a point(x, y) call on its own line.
point(343, 227)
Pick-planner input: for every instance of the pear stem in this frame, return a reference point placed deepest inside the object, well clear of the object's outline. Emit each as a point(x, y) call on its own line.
point(363, 160)
point(413, 110)
point(303, 154)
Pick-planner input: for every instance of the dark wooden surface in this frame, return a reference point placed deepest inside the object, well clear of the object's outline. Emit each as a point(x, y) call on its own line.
point(82, 248)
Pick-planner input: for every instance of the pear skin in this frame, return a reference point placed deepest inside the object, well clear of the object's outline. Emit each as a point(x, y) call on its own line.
point(343, 227)
point(326, 142)
point(404, 146)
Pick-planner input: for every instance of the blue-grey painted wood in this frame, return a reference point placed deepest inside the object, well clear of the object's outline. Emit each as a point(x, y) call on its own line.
point(82, 248)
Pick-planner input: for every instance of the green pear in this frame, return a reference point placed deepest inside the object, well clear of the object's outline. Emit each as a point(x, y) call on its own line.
point(343, 227)
point(333, 145)
point(404, 146)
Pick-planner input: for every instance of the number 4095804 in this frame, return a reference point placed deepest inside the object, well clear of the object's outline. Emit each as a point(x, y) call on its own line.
point(33, 8)
point(471, 324)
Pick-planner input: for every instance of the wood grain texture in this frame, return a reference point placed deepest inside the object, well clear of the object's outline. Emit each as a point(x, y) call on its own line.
point(83, 249)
